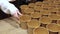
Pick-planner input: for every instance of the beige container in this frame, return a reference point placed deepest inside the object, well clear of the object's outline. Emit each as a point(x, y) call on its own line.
point(57, 1)
point(53, 32)
point(28, 11)
point(33, 23)
point(31, 5)
point(58, 22)
point(54, 17)
point(40, 30)
point(30, 30)
point(46, 6)
point(25, 18)
point(45, 12)
point(45, 20)
point(58, 13)
point(23, 7)
point(54, 11)
point(45, 2)
point(53, 27)
point(38, 3)
point(59, 32)
point(36, 15)
point(23, 25)
point(37, 8)
point(23, 21)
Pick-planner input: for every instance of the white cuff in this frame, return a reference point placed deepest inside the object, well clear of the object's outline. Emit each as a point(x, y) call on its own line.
point(12, 9)
point(3, 6)
point(8, 7)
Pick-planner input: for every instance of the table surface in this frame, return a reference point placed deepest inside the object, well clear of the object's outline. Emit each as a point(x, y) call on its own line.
point(8, 26)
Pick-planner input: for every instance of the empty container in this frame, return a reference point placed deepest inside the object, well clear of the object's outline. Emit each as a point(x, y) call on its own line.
point(40, 30)
point(45, 20)
point(53, 27)
point(25, 18)
point(33, 23)
point(36, 15)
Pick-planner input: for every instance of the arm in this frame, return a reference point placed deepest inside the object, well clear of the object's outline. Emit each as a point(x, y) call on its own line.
point(9, 8)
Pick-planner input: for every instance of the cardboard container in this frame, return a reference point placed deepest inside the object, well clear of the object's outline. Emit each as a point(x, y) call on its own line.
point(25, 18)
point(23, 21)
point(33, 23)
point(58, 22)
point(45, 12)
point(58, 13)
point(45, 20)
point(40, 30)
point(30, 30)
point(31, 5)
point(28, 11)
point(23, 7)
point(38, 3)
point(53, 27)
point(37, 8)
point(53, 32)
point(36, 15)
point(54, 17)
point(23, 25)
point(59, 32)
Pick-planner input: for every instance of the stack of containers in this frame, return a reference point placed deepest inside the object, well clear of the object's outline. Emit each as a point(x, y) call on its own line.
point(41, 17)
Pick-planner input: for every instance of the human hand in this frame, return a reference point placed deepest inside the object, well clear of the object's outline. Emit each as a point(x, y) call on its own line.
point(9, 8)
point(14, 11)
point(16, 14)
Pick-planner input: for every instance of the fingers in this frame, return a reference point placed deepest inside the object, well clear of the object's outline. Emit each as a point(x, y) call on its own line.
point(19, 13)
point(16, 16)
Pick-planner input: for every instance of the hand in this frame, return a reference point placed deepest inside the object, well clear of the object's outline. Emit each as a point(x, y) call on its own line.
point(16, 14)
point(14, 11)
point(9, 8)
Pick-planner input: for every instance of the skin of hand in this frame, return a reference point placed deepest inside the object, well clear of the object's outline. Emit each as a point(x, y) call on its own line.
point(16, 14)
point(14, 11)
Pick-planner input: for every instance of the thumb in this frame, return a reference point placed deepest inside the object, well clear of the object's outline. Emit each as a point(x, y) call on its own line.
point(19, 13)
point(16, 16)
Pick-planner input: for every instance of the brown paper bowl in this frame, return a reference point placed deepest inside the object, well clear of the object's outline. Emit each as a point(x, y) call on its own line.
point(53, 27)
point(40, 30)
point(33, 24)
point(25, 18)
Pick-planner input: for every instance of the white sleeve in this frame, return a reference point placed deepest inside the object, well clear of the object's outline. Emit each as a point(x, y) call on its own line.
point(7, 7)
point(3, 5)
point(12, 8)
